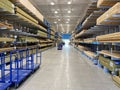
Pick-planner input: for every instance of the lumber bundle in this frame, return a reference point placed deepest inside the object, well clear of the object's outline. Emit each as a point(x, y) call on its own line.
point(114, 37)
point(27, 4)
point(29, 39)
point(89, 40)
point(114, 54)
point(82, 48)
point(79, 34)
point(5, 39)
point(91, 19)
point(112, 16)
point(92, 7)
point(6, 5)
point(5, 25)
point(90, 54)
point(116, 79)
point(103, 3)
point(20, 11)
point(6, 49)
point(108, 63)
point(41, 33)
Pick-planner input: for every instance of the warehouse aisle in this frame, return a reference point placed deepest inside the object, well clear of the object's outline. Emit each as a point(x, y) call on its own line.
point(68, 70)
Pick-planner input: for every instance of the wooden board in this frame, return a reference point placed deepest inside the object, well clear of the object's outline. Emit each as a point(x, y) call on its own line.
point(103, 3)
point(89, 40)
point(4, 39)
point(113, 37)
point(27, 4)
point(79, 34)
point(90, 54)
point(108, 53)
point(112, 16)
point(116, 79)
point(6, 49)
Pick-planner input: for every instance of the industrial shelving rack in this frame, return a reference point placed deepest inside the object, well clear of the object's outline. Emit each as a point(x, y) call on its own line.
point(20, 41)
point(98, 36)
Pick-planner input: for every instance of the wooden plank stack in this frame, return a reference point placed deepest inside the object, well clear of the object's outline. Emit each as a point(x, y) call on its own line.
point(110, 17)
point(5, 39)
point(27, 4)
point(103, 3)
point(89, 40)
point(114, 37)
point(6, 5)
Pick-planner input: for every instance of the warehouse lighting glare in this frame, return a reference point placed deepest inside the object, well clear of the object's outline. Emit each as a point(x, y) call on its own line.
point(68, 19)
point(67, 22)
point(69, 2)
point(69, 11)
point(52, 3)
point(55, 22)
point(56, 12)
point(58, 19)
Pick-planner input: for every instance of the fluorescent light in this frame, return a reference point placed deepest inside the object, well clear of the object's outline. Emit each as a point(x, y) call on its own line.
point(55, 22)
point(56, 12)
point(69, 2)
point(69, 11)
point(67, 22)
point(68, 19)
point(58, 19)
point(52, 3)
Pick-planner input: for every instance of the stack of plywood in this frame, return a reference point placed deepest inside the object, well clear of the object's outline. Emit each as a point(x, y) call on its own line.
point(111, 17)
point(6, 5)
point(114, 37)
point(27, 4)
point(102, 3)
point(82, 48)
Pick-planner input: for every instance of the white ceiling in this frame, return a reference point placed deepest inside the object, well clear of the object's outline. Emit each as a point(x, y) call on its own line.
point(62, 21)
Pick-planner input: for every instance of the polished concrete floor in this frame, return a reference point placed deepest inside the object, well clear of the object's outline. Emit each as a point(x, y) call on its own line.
point(67, 69)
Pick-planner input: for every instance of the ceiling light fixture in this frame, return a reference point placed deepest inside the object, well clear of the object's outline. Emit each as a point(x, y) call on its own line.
point(58, 19)
point(67, 22)
point(55, 22)
point(69, 11)
point(69, 2)
point(52, 3)
point(56, 12)
point(68, 19)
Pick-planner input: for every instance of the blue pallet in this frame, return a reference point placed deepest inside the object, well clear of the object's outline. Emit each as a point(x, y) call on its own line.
point(34, 67)
point(4, 86)
point(22, 75)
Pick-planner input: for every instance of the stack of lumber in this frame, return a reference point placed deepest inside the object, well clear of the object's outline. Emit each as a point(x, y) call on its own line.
point(90, 54)
point(31, 39)
point(104, 3)
point(82, 48)
point(79, 34)
point(30, 8)
point(114, 54)
point(24, 14)
point(110, 17)
point(5, 25)
point(92, 7)
point(114, 37)
point(116, 79)
point(41, 33)
point(89, 40)
point(91, 19)
point(5, 39)
point(6, 49)
point(6, 5)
